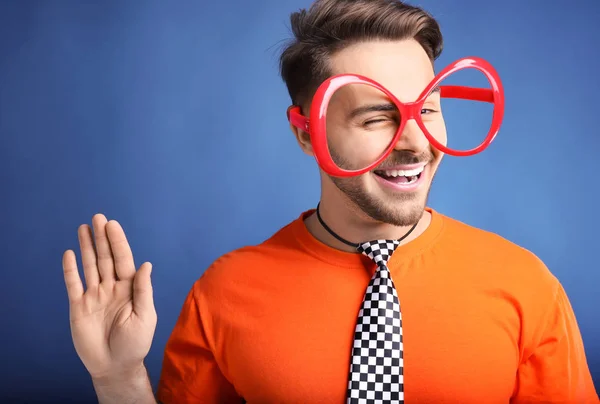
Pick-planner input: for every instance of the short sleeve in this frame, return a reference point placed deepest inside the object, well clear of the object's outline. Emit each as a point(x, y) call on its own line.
point(556, 370)
point(190, 373)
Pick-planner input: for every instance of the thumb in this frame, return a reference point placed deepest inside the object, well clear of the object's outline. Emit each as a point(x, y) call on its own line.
point(143, 302)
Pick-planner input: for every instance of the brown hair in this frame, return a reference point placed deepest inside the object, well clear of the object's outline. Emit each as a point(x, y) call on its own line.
point(329, 26)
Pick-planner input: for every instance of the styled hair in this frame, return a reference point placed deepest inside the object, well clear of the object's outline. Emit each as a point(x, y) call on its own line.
point(329, 26)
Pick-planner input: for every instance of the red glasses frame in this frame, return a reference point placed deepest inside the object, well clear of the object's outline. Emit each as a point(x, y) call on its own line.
point(316, 126)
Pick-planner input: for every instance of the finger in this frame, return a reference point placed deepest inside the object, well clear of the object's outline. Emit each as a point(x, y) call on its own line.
point(72, 278)
point(143, 302)
point(106, 266)
point(121, 251)
point(88, 256)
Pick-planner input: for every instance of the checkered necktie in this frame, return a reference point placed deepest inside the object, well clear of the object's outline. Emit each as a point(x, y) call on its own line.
point(376, 371)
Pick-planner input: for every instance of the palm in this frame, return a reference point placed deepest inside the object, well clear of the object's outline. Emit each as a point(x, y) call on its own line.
point(113, 322)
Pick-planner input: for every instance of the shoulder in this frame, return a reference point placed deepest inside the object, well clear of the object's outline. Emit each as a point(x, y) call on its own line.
point(502, 270)
point(249, 263)
point(490, 251)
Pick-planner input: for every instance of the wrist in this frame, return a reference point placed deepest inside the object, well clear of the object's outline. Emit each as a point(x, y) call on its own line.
point(125, 386)
point(126, 376)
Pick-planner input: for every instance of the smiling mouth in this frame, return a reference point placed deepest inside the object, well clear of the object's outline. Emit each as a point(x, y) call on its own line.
point(404, 177)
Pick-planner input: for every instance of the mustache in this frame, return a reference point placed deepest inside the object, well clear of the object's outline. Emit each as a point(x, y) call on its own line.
point(397, 158)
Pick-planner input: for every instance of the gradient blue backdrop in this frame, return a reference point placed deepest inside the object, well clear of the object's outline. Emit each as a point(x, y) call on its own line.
point(170, 117)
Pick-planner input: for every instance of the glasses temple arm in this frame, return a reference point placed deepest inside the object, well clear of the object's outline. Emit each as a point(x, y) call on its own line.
point(469, 93)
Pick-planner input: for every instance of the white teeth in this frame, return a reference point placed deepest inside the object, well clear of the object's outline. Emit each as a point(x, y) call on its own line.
point(404, 173)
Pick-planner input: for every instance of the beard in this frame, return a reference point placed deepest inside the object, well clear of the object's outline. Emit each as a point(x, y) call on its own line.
point(398, 209)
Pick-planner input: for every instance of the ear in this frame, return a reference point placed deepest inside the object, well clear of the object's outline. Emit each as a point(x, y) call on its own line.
point(302, 137)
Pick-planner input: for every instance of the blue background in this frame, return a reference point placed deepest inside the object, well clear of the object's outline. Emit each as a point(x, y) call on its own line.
point(170, 117)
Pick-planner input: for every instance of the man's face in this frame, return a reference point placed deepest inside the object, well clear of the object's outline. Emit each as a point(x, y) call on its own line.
point(396, 191)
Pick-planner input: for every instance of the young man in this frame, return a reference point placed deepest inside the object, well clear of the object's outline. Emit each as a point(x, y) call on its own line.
point(374, 297)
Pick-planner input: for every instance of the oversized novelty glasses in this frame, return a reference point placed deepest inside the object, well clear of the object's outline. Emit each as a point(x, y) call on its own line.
point(355, 122)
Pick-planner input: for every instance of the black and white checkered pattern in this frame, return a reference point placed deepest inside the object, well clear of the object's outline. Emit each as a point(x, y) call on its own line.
point(376, 371)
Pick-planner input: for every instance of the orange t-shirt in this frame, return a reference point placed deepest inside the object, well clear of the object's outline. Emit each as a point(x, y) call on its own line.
point(484, 321)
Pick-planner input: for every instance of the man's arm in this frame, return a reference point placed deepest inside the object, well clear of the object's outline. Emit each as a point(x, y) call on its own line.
point(556, 369)
point(134, 388)
point(190, 370)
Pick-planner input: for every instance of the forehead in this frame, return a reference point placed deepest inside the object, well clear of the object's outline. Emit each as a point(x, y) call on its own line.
point(402, 67)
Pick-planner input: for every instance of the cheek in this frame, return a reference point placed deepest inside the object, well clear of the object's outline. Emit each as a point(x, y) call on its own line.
point(437, 129)
point(355, 148)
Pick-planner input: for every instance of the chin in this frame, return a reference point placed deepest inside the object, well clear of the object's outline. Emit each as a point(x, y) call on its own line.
point(398, 210)
point(404, 213)
point(383, 203)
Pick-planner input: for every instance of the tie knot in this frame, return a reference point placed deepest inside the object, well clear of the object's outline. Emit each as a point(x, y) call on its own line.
point(380, 251)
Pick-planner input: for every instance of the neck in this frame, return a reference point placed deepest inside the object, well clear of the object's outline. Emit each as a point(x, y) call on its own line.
point(353, 225)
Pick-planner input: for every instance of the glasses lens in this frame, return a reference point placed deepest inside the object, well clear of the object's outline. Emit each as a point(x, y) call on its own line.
point(465, 100)
point(361, 124)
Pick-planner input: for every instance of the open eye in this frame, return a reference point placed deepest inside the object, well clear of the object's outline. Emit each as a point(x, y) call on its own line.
point(426, 111)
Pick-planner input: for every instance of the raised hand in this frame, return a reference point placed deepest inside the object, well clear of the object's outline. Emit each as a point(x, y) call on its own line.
point(113, 320)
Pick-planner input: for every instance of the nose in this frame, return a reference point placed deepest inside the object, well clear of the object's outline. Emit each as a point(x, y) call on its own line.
point(412, 138)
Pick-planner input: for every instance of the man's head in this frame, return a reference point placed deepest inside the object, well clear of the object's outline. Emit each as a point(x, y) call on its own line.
point(394, 44)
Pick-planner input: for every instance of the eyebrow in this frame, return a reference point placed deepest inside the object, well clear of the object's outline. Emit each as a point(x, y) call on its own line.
point(436, 89)
point(364, 109)
point(384, 107)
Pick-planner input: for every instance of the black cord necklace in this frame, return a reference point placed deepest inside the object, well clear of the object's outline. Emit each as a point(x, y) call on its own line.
point(351, 244)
